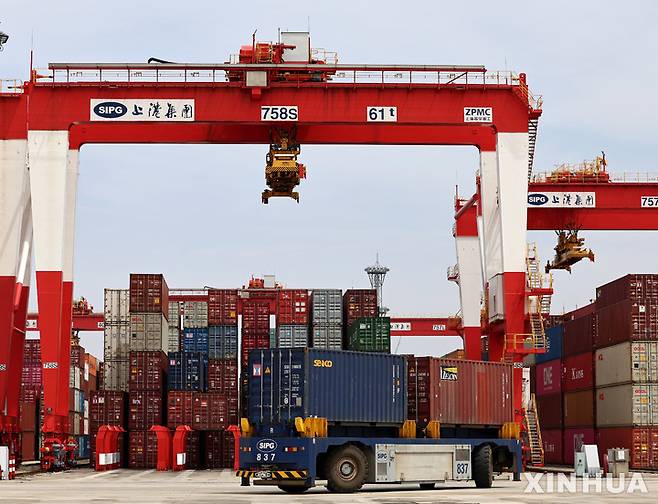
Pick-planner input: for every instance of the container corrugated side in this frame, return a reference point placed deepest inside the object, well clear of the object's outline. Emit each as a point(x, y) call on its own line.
point(291, 336)
point(371, 334)
point(148, 331)
point(222, 307)
point(578, 372)
point(149, 293)
point(574, 439)
point(548, 377)
point(579, 334)
point(358, 303)
point(195, 314)
point(637, 288)
point(327, 336)
point(627, 405)
point(327, 306)
point(627, 321)
point(554, 337)
point(552, 441)
point(340, 386)
point(549, 411)
point(641, 441)
point(116, 375)
point(116, 341)
point(627, 362)
point(223, 342)
point(579, 408)
point(116, 306)
point(292, 307)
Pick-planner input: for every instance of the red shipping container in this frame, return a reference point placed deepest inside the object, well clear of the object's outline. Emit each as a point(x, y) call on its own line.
point(252, 340)
point(179, 408)
point(579, 409)
point(574, 439)
point(233, 411)
point(77, 356)
point(549, 411)
point(210, 411)
point(626, 321)
point(358, 303)
point(638, 288)
point(255, 315)
point(31, 376)
point(29, 446)
point(579, 335)
point(145, 409)
point(223, 375)
point(107, 407)
point(32, 352)
point(219, 452)
point(578, 372)
point(142, 450)
point(292, 307)
point(193, 451)
point(459, 392)
point(552, 442)
point(642, 443)
point(148, 371)
point(548, 377)
point(149, 294)
point(30, 394)
point(28, 416)
point(222, 307)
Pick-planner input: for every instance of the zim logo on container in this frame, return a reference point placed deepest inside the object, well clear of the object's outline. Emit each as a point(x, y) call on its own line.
point(266, 445)
point(110, 110)
point(537, 199)
point(449, 373)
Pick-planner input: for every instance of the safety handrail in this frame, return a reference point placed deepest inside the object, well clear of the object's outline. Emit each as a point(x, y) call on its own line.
point(11, 86)
point(625, 177)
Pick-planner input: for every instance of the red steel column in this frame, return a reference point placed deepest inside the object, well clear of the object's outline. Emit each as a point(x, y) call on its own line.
point(48, 151)
point(13, 194)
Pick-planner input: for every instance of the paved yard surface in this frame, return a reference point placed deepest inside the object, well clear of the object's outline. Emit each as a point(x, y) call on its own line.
point(127, 486)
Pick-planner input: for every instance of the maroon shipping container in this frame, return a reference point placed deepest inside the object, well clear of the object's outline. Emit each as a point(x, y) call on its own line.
point(233, 410)
point(31, 376)
point(255, 314)
point(148, 371)
point(578, 372)
point(193, 456)
point(30, 394)
point(358, 303)
point(642, 443)
point(209, 411)
point(292, 307)
point(579, 409)
point(552, 442)
point(28, 416)
point(149, 294)
point(579, 334)
point(549, 411)
point(223, 307)
point(223, 376)
point(639, 289)
point(459, 392)
point(107, 407)
point(251, 339)
point(142, 450)
point(145, 409)
point(626, 321)
point(179, 408)
point(574, 439)
point(77, 356)
point(219, 450)
point(548, 377)
point(28, 446)
point(32, 352)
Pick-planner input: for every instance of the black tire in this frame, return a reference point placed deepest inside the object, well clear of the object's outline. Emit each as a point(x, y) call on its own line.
point(427, 486)
point(483, 467)
point(346, 469)
point(294, 489)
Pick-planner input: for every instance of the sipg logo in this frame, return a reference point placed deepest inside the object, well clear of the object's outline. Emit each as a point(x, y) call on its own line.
point(537, 199)
point(266, 445)
point(110, 110)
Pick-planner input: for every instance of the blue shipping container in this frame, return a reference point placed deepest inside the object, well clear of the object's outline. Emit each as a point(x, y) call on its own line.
point(195, 339)
point(354, 387)
point(187, 371)
point(223, 342)
point(554, 337)
point(83, 447)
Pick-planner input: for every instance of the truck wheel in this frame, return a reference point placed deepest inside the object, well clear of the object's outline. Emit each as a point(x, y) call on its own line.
point(294, 489)
point(427, 486)
point(346, 469)
point(483, 467)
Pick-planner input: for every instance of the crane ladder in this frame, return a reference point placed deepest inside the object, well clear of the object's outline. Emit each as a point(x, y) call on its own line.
point(534, 433)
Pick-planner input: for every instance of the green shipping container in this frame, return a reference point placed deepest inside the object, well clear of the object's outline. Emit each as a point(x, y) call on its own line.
point(370, 334)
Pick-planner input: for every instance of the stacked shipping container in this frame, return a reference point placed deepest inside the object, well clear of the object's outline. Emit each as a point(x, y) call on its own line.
point(116, 339)
point(292, 318)
point(327, 319)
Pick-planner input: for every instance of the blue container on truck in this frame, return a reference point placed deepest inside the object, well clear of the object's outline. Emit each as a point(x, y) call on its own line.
point(554, 340)
point(223, 342)
point(195, 340)
point(187, 371)
point(343, 387)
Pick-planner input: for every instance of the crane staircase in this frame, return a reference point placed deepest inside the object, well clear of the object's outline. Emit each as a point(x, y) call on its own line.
point(535, 448)
point(533, 124)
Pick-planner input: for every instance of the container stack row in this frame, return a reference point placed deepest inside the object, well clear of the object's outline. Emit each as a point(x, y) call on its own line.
point(598, 382)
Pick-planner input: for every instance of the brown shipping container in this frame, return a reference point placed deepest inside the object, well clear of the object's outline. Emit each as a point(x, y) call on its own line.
point(148, 371)
point(219, 450)
point(549, 411)
point(626, 321)
point(642, 443)
point(29, 446)
point(142, 450)
point(638, 288)
point(210, 411)
point(223, 376)
point(358, 303)
point(149, 294)
point(28, 416)
point(107, 407)
point(179, 408)
point(459, 392)
point(552, 442)
point(145, 409)
point(77, 356)
point(292, 307)
point(627, 362)
point(579, 408)
point(222, 307)
point(578, 372)
point(579, 335)
point(627, 405)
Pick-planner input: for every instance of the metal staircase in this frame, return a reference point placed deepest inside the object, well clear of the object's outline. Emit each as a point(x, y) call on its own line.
point(533, 123)
point(533, 432)
point(539, 304)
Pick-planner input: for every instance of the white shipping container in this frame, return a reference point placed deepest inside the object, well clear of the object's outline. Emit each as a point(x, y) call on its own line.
point(148, 332)
point(86, 411)
point(116, 374)
point(85, 426)
point(175, 314)
point(174, 339)
point(327, 336)
point(195, 314)
point(74, 377)
point(116, 342)
point(117, 306)
point(633, 404)
point(631, 361)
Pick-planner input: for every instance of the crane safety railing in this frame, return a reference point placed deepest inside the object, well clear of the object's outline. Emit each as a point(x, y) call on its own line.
point(11, 86)
point(135, 73)
point(603, 177)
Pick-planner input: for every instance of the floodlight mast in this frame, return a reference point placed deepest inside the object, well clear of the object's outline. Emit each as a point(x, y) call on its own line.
point(377, 275)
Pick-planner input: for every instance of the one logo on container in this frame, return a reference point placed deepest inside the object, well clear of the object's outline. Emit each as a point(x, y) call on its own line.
point(266, 445)
point(537, 199)
point(110, 110)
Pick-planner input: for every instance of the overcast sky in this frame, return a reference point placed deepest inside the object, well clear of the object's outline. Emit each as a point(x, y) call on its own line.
point(194, 212)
